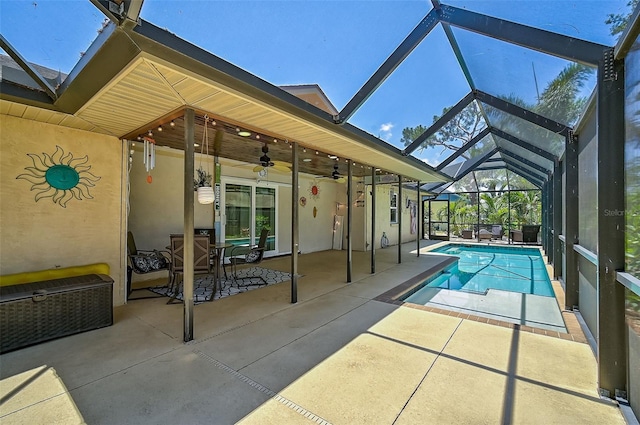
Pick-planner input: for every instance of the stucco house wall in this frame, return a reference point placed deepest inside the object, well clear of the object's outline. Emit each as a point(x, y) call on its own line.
point(157, 209)
point(383, 215)
point(38, 233)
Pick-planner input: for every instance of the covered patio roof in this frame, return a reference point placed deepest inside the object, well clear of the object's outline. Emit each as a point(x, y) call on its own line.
point(134, 79)
point(137, 76)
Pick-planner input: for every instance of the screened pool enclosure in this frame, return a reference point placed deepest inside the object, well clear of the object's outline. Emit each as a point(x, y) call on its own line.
point(514, 115)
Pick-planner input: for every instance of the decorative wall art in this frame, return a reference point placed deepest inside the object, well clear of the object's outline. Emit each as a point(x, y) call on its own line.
point(303, 201)
point(413, 214)
point(60, 177)
point(149, 157)
point(314, 190)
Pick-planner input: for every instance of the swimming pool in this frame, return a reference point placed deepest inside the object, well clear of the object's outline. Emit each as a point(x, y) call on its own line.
point(505, 283)
point(481, 268)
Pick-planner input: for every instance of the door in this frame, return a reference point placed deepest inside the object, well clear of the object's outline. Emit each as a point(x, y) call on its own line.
point(439, 220)
point(248, 208)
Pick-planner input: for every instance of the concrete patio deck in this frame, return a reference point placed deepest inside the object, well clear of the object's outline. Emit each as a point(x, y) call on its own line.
point(337, 356)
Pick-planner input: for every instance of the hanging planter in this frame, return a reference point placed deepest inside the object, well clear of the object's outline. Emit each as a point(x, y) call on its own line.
point(203, 180)
point(205, 195)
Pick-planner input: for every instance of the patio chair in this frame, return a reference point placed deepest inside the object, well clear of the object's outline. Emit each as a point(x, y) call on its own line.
point(530, 233)
point(201, 260)
point(245, 254)
point(497, 232)
point(515, 235)
point(143, 262)
point(212, 240)
point(484, 234)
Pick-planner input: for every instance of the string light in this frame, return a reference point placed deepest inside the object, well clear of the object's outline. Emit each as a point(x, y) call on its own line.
point(172, 123)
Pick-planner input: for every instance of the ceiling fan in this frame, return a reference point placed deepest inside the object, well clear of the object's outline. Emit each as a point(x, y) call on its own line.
point(335, 175)
point(267, 163)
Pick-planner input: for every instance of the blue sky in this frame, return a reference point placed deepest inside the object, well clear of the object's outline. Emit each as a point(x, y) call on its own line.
point(336, 44)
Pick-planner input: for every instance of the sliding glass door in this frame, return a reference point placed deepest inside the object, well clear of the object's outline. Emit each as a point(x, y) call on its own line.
point(248, 209)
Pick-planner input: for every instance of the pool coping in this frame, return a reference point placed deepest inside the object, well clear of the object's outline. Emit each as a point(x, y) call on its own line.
point(394, 295)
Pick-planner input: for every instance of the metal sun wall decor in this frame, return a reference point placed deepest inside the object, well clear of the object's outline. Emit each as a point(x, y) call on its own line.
point(60, 177)
point(314, 189)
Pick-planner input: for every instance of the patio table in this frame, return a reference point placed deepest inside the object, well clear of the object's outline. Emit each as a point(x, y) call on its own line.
point(219, 248)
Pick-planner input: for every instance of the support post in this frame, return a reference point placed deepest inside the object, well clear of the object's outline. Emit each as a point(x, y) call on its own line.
point(349, 219)
point(509, 213)
point(478, 216)
point(551, 230)
point(187, 283)
point(612, 356)
point(295, 246)
point(417, 219)
point(399, 212)
point(557, 221)
point(545, 215)
point(373, 219)
point(571, 297)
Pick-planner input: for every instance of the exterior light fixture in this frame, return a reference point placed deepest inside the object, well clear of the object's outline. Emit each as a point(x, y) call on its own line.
point(172, 123)
point(160, 128)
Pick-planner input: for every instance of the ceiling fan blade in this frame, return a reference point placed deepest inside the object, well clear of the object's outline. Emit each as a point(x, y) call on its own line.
point(257, 168)
point(280, 169)
point(340, 180)
point(282, 163)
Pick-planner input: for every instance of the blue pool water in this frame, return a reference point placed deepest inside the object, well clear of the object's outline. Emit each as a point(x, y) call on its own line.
point(481, 268)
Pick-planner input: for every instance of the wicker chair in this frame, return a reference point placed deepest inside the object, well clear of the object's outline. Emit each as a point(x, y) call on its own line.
point(497, 232)
point(143, 262)
point(484, 234)
point(530, 233)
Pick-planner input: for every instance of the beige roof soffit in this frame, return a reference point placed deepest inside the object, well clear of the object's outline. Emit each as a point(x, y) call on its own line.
point(187, 57)
point(394, 164)
point(108, 55)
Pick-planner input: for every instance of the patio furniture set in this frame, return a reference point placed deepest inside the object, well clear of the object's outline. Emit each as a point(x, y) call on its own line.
point(208, 258)
point(527, 234)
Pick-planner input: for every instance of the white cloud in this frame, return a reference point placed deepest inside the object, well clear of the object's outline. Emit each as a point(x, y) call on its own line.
point(385, 131)
point(386, 127)
point(430, 162)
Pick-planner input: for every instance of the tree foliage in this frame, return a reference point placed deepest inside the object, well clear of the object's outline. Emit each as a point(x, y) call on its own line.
point(455, 133)
point(618, 21)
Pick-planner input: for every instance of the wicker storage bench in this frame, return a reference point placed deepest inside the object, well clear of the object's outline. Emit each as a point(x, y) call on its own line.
point(36, 312)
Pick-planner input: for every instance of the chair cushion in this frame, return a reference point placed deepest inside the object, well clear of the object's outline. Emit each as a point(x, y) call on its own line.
point(148, 262)
point(252, 256)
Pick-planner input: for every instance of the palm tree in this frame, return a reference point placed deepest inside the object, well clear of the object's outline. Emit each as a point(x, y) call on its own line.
point(526, 207)
point(494, 208)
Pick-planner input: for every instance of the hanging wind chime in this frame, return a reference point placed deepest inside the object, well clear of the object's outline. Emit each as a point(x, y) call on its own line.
point(205, 193)
point(149, 157)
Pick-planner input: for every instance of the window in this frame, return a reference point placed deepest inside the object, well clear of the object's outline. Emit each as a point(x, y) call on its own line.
point(393, 199)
